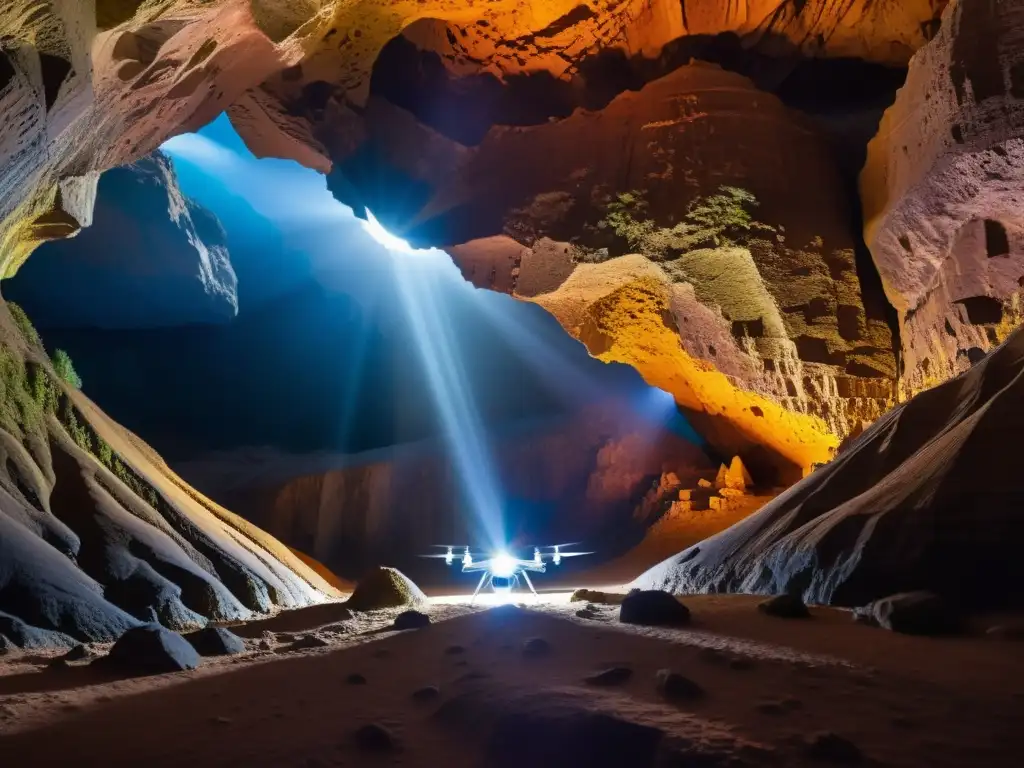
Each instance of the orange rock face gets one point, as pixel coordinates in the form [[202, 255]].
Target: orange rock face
[[942, 193], [766, 342]]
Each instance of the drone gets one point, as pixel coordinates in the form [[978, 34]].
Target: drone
[[501, 570]]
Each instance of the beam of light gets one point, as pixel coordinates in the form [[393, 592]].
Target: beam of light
[[436, 343], [392, 242]]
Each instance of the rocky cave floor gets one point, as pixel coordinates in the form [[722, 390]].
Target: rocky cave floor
[[476, 689]]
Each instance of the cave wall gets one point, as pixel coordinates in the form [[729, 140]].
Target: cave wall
[[97, 535], [579, 478], [297, 80], [942, 193]]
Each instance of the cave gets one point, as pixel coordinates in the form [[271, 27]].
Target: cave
[[505, 382]]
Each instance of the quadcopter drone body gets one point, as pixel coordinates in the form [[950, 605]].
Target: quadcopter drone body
[[501, 571]]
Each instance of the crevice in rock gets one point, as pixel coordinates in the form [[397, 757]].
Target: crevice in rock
[[997, 242], [56, 70], [982, 310], [7, 71]]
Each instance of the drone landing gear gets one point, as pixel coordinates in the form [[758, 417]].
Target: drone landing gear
[[479, 586], [530, 584]]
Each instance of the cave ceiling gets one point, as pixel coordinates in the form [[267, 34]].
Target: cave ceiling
[[564, 151]]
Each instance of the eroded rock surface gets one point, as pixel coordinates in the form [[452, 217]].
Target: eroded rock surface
[[942, 193], [926, 499], [97, 535]]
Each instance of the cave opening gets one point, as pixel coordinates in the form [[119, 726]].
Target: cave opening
[[324, 358]]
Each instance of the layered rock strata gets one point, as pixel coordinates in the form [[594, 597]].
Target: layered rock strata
[[97, 535]]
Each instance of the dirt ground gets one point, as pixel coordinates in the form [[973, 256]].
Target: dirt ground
[[771, 688]]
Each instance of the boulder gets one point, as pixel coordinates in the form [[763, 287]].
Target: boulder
[[307, 642], [677, 687], [374, 737], [535, 647], [216, 641], [411, 620], [609, 677], [384, 588], [653, 608], [785, 607], [912, 613], [833, 748], [151, 650]]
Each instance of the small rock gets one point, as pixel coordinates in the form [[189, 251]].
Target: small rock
[[770, 708], [610, 676], [58, 665], [265, 645], [216, 641], [355, 679], [427, 693], [785, 607], [833, 748], [673, 685], [221, 720], [912, 613], [374, 738], [536, 646], [653, 608], [78, 653], [152, 650], [1012, 631], [411, 620], [454, 650], [586, 613], [470, 676], [307, 642]]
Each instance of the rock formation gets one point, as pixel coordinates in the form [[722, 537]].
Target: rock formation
[[942, 193], [743, 301], [97, 535], [313, 82], [151, 257], [571, 479], [921, 501], [714, 255]]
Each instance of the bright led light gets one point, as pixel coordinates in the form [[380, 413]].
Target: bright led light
[[376, 230], [503, 565]]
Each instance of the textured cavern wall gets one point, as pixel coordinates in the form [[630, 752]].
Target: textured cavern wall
[[296, 79], [151, 257], [576, 478], [765, 341], [97, 534], [942, 192], [91, 84], [929, 497]]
